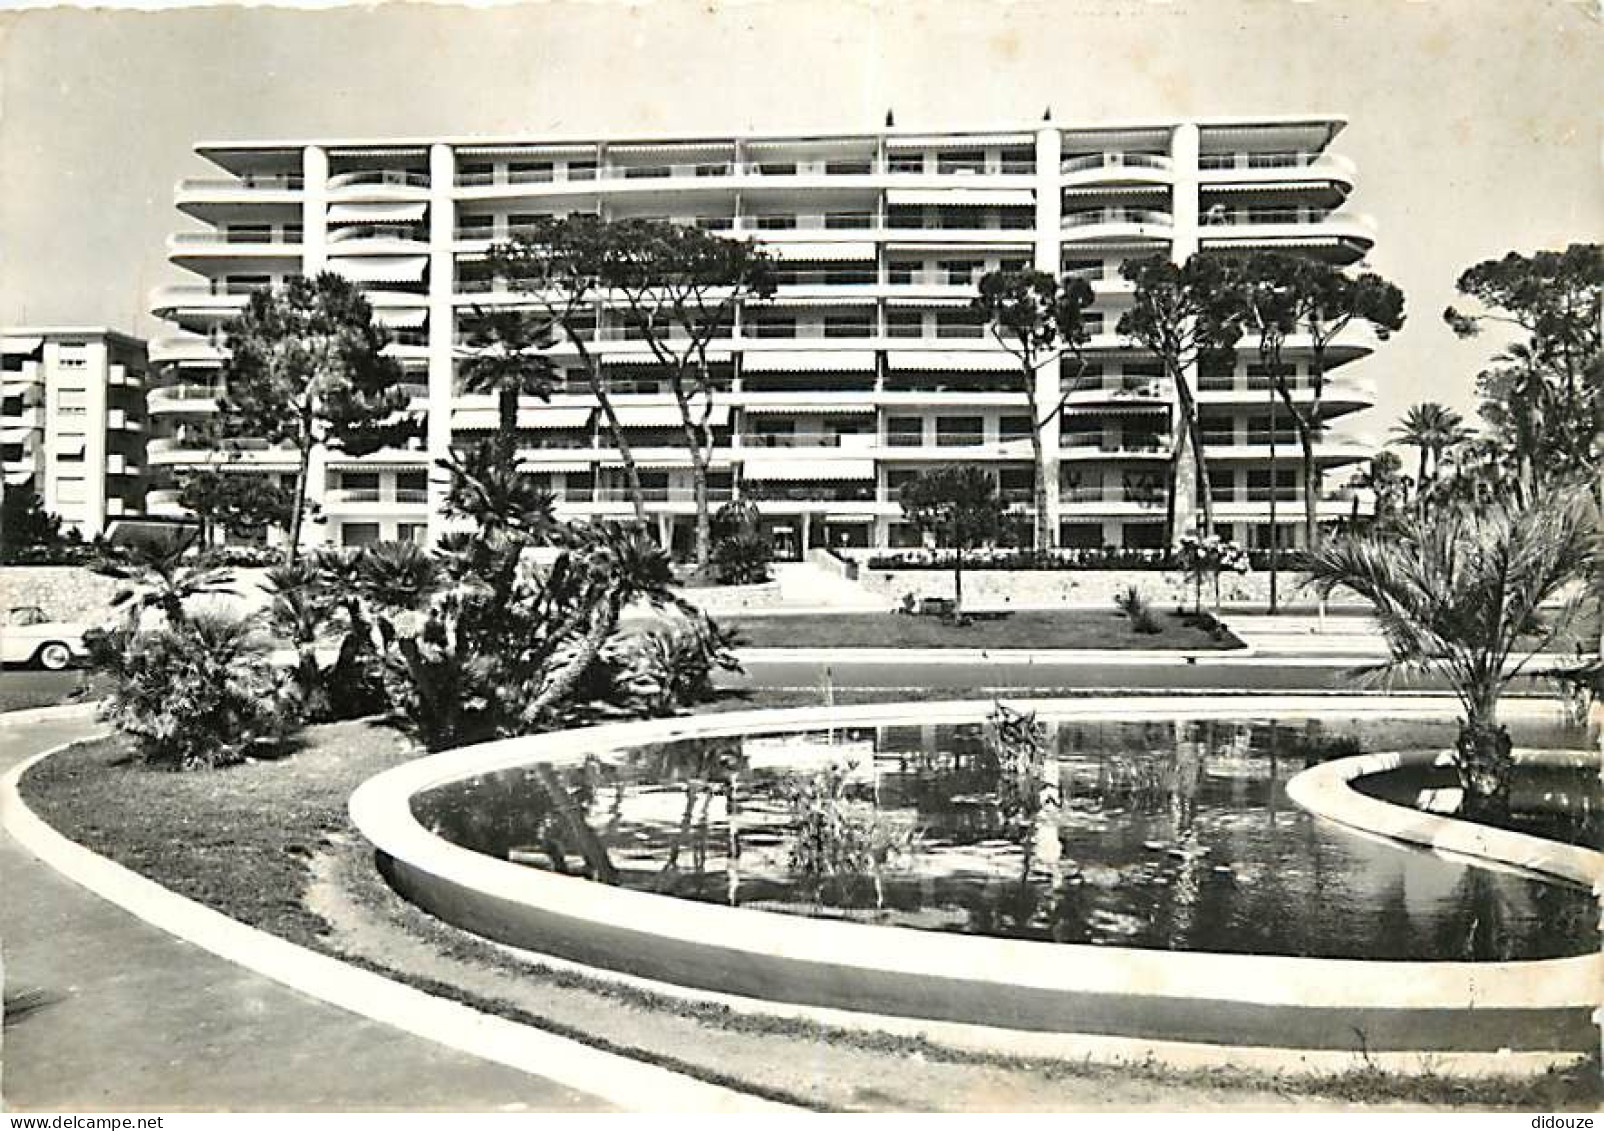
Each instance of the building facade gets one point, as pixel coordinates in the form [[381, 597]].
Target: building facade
[[864, 369], [72, 421]]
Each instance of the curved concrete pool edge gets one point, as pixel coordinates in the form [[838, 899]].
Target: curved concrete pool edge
[[625, 1083], [1173, 1007]]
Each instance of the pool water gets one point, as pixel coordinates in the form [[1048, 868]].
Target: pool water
[[1167, 835]]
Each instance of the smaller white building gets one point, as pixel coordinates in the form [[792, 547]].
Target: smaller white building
[[72, 421]]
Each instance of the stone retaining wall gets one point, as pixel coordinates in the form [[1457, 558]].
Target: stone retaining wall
[[76, 593], [1085, 588]]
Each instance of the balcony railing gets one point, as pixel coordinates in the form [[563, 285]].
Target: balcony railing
[[805, 440], [1144, 216], [481, 178], [1114, 161], [343, 233], [661, 494], [1282, 160], [1111, 495], [184, 392], [268, 182], [401, 496], [388, 178], [247, 237]]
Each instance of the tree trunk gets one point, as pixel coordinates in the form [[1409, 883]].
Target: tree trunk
[[603, 622], [1486, 765], [298, 512], [958, 585], [1311, 492], [1194, 431], [1046, 536], [704, 525], [620, 442], [507, 413]]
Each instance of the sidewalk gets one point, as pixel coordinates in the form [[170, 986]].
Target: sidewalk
[[121, 1016]]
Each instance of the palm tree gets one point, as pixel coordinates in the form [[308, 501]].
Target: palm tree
[[609, 566], [162, 576], [300, 610], [1458, 595], [504, 360], [1433, 430], [488, 487]]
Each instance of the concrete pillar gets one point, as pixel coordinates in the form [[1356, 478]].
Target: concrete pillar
[[442, 327], [1049, 254], [314, 258], [97, 372], [314, 209]]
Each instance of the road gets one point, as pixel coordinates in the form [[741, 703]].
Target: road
[[22, 687]]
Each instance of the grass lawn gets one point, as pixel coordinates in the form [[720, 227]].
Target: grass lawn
[[1032, 628], [24, 688], [269, 843]]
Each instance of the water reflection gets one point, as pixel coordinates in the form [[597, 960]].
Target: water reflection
[[1172, 835]]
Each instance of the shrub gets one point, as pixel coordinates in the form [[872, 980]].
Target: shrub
[[1016, 746], [193, 696], [1136, 607], [742, 559], [660, 672]]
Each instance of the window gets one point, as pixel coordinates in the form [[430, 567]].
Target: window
[[359, 533], [959, 324], [906, 163], [904, 324], [839, 220], [905, 432], [772, 326], [415, 532], [959, 431], [960, 272], [848, 168], [847, 326], [902, 274], [359, 480], [961, 161], [775, 223], [581, 170], [248, 233], [777, 168], [1014, 428], [1015, 219], [905, 216], [523, 172], [1080, 535], [70, 490]]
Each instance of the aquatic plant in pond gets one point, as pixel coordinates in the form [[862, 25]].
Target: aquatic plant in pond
[[836, 839]]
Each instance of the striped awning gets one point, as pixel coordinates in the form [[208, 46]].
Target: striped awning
[[17, 478], [808, 470], [810, 409], [644, 357], [666, 416], [849, 518], [808, 361], [1146, 406], [381, 269], [401, 318], [399, 459], [822, 251], [68, 446], [20, 345], [536, 419], [669, 149], [378, 212], [793, 301], [1266, 186], [962, 197], [528, 462], [1122, 190], [967, 361], [956, 141]]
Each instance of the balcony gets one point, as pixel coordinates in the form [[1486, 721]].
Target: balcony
[[1348, 234], [1119, 224], [250, 188], [347, 499], [217, 299], [175, 349], [1111, 498], [362, 239], [1285, 167], [242, 251], [182, 398], [1116, 169], [378, 185]]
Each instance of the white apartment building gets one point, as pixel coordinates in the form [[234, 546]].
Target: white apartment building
[[866, 368], [72, 421]]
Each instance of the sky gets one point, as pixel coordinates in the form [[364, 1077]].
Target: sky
[[1475, 123]]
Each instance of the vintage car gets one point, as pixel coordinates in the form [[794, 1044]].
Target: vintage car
[[31, 637]]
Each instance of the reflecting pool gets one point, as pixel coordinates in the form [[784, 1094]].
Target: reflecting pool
[[1168, 835]]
